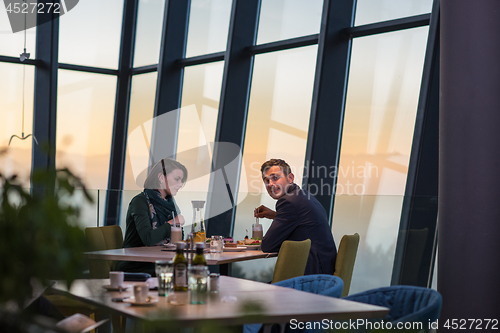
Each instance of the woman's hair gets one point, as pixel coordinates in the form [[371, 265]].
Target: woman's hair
[[152, 181]]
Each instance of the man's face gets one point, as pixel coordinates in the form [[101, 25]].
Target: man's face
[[276, 182]]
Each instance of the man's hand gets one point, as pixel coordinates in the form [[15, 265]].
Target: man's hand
[[179, 220], [263, 211]]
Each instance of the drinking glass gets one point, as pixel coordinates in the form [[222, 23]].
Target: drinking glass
[[216, 244], [198, 283], [164, 272]]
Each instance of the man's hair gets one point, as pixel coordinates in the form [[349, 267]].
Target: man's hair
[[285, 168], [152, 181]]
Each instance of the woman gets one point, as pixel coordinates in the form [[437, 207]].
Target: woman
[[151, 213]]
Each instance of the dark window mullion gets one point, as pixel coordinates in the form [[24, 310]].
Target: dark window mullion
[[328, 104], [120, 123], [420, 208], [233, 109]]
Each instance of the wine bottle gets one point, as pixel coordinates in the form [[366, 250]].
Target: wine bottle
[[180, 268]]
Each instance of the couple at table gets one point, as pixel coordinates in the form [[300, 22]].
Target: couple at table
[[298, 215]]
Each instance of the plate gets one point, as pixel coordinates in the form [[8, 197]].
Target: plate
[[122, 288], [169, 245], [253, 247], [131, 300], [235, 249]]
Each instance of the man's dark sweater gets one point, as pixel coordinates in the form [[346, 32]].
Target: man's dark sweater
[[300, 216]]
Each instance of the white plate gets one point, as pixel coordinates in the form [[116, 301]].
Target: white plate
[[169, 245], [131, 300], [122, 288], [235, 249], [253, 247]]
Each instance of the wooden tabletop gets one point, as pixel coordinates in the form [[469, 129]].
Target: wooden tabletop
[[275, 304], [153, 253]]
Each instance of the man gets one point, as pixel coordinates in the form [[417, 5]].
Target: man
[[298, 216]]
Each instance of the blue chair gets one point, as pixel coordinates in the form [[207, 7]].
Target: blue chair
[[408, 304], [321, 284]]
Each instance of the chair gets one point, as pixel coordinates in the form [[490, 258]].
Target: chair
[[407, 303], [103, 238], [346, 256], [292, 260], [98, 238], [321, 284]]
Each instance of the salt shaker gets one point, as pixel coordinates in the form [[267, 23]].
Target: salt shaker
[[214, 282]]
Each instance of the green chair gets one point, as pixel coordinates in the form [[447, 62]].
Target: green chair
[[99, 239], [292, 260], [346, 256]]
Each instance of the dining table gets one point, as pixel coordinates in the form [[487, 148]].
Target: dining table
[[153, 253], [237, 302]]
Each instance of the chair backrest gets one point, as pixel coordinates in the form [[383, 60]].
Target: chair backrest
[[321, 284], [346, 256], [407, 303], [99, 239], [292, 260]]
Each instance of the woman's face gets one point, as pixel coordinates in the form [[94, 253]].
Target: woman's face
[[174, 181]]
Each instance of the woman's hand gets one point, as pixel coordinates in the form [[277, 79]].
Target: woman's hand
[[263, 211], [179, 220]]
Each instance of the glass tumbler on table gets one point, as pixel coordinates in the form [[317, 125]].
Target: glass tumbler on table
[[164, 272], [198, 284], [216, 244]]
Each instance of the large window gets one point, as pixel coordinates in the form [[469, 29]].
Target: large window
[[148, 35], [382, 96], [208, 26], [16, 93], [284, 19], [277, 127], [142, 102], [85, 111], [89, 34], [198, 120], [12, 44], [371, 11]]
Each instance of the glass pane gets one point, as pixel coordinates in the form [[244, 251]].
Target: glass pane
[[371, 11], [148, 35], [277, 127], [284, 19], [142, 102], [382, 96], [208, 26], [16, 159], [198, 120], [12, 44], [85, 109], [90, 34]]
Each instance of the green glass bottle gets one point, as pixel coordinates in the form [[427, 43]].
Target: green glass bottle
[[180, 269], [199, 258]]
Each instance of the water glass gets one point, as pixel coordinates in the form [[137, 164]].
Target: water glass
[[164, 272], [198, 283], [216, 244]]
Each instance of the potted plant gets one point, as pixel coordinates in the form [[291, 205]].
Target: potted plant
[[40, 237]]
